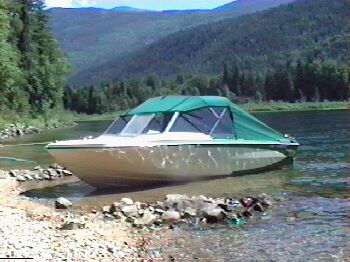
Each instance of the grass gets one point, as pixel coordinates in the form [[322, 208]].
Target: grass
[[84, 117], [303, 106], [52, 119]]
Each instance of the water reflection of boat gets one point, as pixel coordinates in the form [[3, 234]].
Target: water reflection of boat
[[175, 138]]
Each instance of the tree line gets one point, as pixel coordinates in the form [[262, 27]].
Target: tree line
[[299, 82], [32, 67]]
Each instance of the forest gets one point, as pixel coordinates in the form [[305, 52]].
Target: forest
[[33, 69], [309, 81], [301, 30]]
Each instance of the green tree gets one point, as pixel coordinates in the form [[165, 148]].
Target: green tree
[[11, 77]]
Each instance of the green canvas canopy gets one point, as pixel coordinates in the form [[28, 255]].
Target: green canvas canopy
[[246, 126]]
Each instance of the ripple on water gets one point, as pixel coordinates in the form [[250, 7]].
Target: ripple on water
[[300, 229], [324, 166]]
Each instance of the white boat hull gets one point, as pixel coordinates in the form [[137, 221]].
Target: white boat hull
[[109, 167]]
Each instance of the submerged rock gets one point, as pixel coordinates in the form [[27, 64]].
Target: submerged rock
[[62, 203]]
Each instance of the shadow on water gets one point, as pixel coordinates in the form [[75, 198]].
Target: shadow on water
[[81, 190]]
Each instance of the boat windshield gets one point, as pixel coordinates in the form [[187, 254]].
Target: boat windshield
[[214, 121], [118, 125], [140, 124]]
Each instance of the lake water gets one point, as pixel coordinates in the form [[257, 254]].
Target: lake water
[[310, 223]]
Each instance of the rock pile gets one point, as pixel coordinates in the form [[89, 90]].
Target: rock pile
[[183, 208], [38, 174], [17, 130]]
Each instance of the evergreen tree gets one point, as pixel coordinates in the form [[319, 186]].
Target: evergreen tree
[[11, 77]]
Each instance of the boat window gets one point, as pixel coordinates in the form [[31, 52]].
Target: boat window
[[224, 125], [183, 125], [118, 125], [158, 123], [137, 124], [216, 121]]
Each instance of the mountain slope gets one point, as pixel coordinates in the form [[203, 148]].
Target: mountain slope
[[252, 5], [90, 36], [316, 29], [129, 9]]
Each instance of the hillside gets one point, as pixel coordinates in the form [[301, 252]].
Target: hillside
[[91, 36], [129, 9], [315, 29], [251, 5]]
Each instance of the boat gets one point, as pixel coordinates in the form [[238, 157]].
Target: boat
[[176, 139]]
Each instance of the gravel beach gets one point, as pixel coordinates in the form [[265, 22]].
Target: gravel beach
[[32, 230], [122, 231]]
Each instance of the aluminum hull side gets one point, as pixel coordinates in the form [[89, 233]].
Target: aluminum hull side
[[106, 167]]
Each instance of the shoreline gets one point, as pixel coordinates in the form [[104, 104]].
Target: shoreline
[[13, 130], [34, 230], [264, 107], [25, 126]]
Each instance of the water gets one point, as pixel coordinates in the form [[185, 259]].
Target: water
[[38, 154], [310, 223]]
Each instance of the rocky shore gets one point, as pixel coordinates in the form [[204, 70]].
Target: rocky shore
[[121, 231], [54, 172], [33, 230], [178, 208], [14, 130], [18, 129]]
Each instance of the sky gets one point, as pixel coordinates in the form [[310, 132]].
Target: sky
[[142, 4]]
